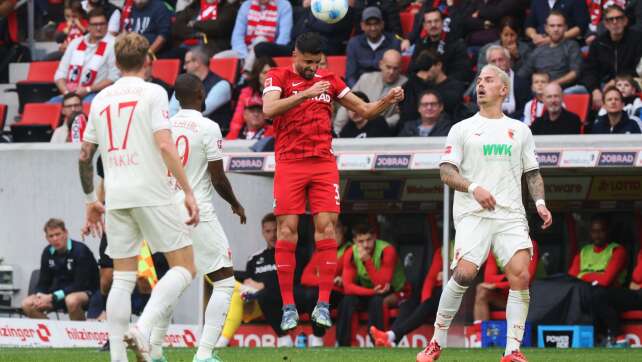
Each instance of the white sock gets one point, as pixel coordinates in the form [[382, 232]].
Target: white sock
[[222, 342], [516, 313], [164, 295], [448, 306], [159, 331], [284, 341], [215, 315], [391, 336], [118, 312], [315, 341]]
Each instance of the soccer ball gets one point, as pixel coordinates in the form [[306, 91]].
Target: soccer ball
[[329, 11]]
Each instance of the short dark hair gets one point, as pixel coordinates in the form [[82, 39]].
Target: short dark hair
[[96, 12], [613, 89], [434, 10], [201, 53], [603, 218], [629, 79], [362, 229], [430, 92], [541, 72], [425, 60], [186, 87], [268, 218], [509, 22], [556, 13], [310, 42], [611, 8], [71, 95], [54, 223], [361, 95]]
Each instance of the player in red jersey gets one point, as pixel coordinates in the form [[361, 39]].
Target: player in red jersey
[[299, 100]]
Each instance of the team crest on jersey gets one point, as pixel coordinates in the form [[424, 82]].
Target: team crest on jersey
[[448, 150], [268, 83], [166, 114], [511, 133]]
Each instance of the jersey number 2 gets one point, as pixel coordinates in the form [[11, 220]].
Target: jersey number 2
[[110, 134]]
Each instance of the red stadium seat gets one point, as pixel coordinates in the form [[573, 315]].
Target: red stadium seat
[[41, 114], [3, 116], [225, 68], [407, 22], [166, 70], [337, 65], [578, 104], [632, 315], [85, 108], [42, 71], [39, 85]]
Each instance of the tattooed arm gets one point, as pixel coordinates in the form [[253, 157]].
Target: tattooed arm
[[535, 184], [86, 167], [450, 176]]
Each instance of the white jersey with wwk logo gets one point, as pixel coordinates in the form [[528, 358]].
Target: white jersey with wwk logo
[[493, 153], [122, 122]]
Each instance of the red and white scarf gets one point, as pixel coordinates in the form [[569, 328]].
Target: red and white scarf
[[261, 22], [209, 11], [77, 129], [126, 14], [75, 76], [595, 8]]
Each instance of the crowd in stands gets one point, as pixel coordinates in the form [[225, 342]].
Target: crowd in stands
[[590, 48], [370, 282]]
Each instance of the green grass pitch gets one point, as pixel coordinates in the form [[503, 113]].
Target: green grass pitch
[[328, 354]]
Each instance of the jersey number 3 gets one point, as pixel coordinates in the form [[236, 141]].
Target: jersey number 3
[[110, 133]]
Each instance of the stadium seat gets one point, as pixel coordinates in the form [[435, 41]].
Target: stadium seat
[[3, 116], [225, 68], [632, 315], [407, 22], [41, 114], [42, 71], [166, 70], [39, 85], [578, 104]]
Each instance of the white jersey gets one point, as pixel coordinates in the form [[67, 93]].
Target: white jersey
[[199, 141], [494, 153], [122, 122]]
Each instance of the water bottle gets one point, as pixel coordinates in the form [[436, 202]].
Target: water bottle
[[301, 341]]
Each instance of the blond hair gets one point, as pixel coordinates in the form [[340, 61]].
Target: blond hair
[[131, 52], [503, 76]]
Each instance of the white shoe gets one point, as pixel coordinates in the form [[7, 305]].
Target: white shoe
[[315, 341], [137, 342]]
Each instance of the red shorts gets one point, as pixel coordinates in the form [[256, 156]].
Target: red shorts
[[317, 177]]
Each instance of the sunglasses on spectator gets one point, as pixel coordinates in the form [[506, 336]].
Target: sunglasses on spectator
[[614, 19]]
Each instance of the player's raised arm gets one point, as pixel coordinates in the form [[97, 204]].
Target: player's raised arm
[[224, 188], [372, 109], [274, 105]]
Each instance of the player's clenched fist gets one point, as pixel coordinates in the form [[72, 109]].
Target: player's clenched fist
[[317, 88], [395, 95], [484, 198]]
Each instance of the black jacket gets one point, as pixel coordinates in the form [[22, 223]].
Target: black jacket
[[74, 271], [389, 10], [454, 57], [567, 123], [441, 128], [626, 125], [575, 11], [606, 59], [450, 90], [335, 35]]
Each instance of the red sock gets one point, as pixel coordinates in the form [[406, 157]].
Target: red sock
[[327, 251], [285, 264]]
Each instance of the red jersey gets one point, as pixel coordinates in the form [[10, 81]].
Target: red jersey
[[305, 130]]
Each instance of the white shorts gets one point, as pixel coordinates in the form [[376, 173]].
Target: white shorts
[[162, 227], [475, 235], [211, 248]]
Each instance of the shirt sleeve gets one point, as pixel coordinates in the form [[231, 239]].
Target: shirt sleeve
[[273, 82], [349, 275], [454, 150], [114, 22], [285, 23], [220, 94], [90, 129], [340, 88], [240, 28], [160, 110], [213, 143], [529, 157], [431, 278]]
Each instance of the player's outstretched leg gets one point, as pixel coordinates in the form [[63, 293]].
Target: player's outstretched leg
[[327, 251], [449, 304], [119, 311], [285, 258]]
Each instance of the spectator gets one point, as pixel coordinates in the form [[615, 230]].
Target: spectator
[[218, 91], [150, 78], [432, 122], [535, 107], [418, 309], [602, 262], [254, 88], [207, 22], [452, 11], [556, 119], [427, 73], [372, 276], [595, 9], [74, 26], [73, 120], [375, 85], [336, 35], [365, 51], [608, 303], [451, 50], [153, 20], [259, 21], [575, 12], [618, 51], [631, 93], [482, 17], [616, 119], [255, 126], [89, 63], [508, 38], [391, 19], [360, 127], [493, 291], [559, 57], [520, 91], [68, 276], [112, 12]]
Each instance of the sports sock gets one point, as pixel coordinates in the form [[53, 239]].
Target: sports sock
[[327, 251], [516, 313], [285, 265], [448, 306], [118, 312], [391, 336], [159, 331], [164, 295], [215, 315]]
